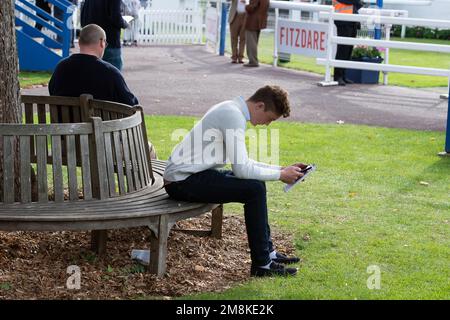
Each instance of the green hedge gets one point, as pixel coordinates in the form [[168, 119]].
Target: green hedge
[[421, 32]]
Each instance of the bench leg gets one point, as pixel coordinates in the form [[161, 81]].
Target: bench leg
[[158, 247], [216, 222], [98, 241]]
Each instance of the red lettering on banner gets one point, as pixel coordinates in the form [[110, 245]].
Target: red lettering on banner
[[303, 38], [292, 36], [309, 40], [297, 44], [281, 35], [322, 41], [316, 40]]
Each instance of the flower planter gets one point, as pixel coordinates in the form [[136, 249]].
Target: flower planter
[[364, 76]]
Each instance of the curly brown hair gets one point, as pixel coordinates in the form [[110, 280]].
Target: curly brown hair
[[275, 99]]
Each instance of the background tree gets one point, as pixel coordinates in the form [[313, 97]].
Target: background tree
[[10, 110]]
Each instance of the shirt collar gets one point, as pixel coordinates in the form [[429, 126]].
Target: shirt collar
[[243, 107]]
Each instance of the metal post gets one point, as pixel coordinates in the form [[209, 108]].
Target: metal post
[[378, 26], [68, 11], [223, 28], [447, 140], [446, 153], [275, 39]]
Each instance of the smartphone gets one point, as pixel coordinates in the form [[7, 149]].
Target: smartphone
[[310, 168]]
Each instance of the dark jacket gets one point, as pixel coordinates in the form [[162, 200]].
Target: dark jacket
[[106, 14], [357, 4], [257, 11], [86, 74]]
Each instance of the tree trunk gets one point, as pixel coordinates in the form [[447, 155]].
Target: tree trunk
[[10, 109]]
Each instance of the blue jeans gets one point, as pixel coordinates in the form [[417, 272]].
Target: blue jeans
[[212, 186], [113, 56]]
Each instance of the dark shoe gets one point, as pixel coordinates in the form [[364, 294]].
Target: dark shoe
[[275, 269], [281, 258], [348, 81], [241, 61], [340, 81], [233, 61], [251, 65]]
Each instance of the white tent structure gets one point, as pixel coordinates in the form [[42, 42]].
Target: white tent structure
[[436, 9]]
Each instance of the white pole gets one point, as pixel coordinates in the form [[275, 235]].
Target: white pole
[[275, 39], [329, 47]]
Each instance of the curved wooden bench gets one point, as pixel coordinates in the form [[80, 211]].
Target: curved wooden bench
[[93, 171]]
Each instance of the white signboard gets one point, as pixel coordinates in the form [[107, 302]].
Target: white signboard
[[212, 21], [304, 38]]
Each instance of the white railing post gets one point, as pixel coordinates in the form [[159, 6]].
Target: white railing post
[[275, 39], [328, 81]]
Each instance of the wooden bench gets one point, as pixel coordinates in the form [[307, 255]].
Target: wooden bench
[[85, 164]]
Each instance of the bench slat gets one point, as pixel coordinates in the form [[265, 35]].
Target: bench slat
[[58, 186], [41, 150], [29, 119], [99, 143], [119, 162], [86, 167], [110, 164], [128, 164], [140, 161], [54, 111], [25, 170], [133, 159], [41, 113], [8, 169], [144, 156], [72, 167]]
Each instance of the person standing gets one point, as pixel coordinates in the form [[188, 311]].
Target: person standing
[[106, 14], [345, 29], [131, 8], [256, 21], [237, 18], [47, 7]]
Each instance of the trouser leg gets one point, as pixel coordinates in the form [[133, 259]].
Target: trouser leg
[[251, 40], [234, 33], [212, 186], [344, 52], [241, 29]]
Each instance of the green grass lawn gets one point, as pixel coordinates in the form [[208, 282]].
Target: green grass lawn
[[379, 197], [399, 57], [28, 79]]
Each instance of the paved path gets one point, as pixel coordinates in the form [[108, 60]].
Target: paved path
[[188, 80]]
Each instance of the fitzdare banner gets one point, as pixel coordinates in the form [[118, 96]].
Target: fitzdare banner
[[303, 38]]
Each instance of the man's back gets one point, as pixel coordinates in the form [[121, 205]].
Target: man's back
[[86, 74]]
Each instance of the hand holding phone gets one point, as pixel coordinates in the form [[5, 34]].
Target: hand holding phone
[[309, 169]]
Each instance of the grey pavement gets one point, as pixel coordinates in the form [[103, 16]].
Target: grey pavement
[[188, 80]]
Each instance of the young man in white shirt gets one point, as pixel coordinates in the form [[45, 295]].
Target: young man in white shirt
[[192, 173]]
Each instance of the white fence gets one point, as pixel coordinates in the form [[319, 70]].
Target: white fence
[[386, 67], [376, 17], [169, 27]]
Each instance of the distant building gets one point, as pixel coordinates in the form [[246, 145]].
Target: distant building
[[439, 10]]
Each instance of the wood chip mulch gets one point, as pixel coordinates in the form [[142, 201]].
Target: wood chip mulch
[[33, 265]]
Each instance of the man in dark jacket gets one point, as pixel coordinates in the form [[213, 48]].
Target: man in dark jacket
[[256, 21], [106, 14], [345, 29], [86, 73]]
